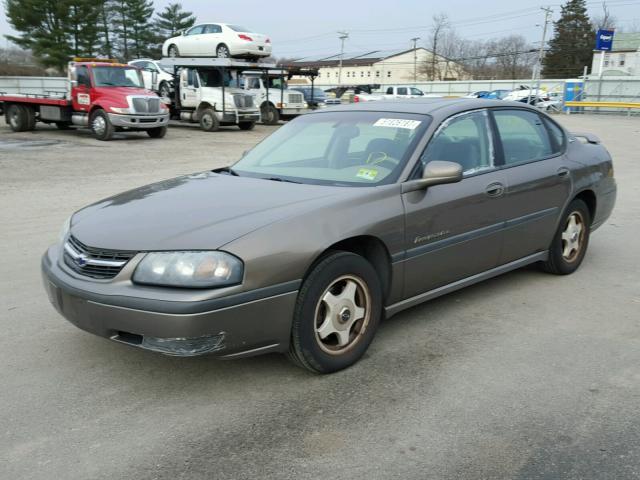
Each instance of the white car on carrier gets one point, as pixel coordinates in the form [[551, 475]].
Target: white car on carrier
[[218, 40]]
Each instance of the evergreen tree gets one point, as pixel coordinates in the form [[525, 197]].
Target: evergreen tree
[[42, 27], [172, 20], [571, 48], [142, 34], [83, 27]]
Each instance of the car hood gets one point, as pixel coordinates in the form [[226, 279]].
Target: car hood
[[195, 212]]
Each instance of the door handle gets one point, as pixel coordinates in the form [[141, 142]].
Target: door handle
[[563, 172], [495, 189]]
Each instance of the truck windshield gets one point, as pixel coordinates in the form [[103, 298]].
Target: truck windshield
[[277, 82], [353, 148], [117, 77]]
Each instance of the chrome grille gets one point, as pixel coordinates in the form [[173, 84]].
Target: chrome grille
[[94, 262], [296, 98], [146, 104], [243, 101]]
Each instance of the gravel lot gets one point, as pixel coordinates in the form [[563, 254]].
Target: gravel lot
[[524, 376]]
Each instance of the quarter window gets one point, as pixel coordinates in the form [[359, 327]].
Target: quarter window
[[523, 135], [463, 139]]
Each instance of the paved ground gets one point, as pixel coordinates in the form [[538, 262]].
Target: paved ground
[[525, 376]]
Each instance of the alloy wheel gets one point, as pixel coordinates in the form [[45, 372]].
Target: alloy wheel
[[573, 236], [99, 125]]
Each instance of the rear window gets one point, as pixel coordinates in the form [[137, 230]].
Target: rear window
[[238, 28]]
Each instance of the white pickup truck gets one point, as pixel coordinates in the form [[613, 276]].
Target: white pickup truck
[[275, 100], [403, 92]]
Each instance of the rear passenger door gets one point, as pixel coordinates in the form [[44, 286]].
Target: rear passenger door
[[531, 149]]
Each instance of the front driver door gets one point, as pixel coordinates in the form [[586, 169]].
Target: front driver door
[[454, 231]]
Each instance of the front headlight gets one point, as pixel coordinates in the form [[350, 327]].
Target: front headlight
[[64, 231], [123, 111], [189, 269]]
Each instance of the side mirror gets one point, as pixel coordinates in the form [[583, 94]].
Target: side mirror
[[435, 173]]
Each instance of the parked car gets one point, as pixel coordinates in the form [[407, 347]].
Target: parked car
[[316, 97], [552, 103], [498, 94], [340, 217], [478, 94], [218, 40], [152, 71]]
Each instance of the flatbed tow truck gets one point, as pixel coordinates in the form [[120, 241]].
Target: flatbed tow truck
[[103, 95]]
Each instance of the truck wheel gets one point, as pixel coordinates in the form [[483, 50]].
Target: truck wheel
[[31, 117], [17, 118], [157, 132], [246, 125], [270, 115], [173, 51], [209, 121], [101, 125]]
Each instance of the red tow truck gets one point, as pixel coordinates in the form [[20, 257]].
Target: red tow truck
[[103, 95]]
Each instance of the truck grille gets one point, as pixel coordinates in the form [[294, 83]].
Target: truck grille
[[94, 262], [146, 104], [243, 101], [296, 98]]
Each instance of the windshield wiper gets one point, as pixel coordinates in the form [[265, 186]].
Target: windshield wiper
[[278, 179], [228, 170]]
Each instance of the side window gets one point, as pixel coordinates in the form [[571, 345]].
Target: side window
[[197, 30], [523, 135], [192, 78], [415, 91], [82, 76], [212, 29], [402, 90], [464, 139], [557, 136]]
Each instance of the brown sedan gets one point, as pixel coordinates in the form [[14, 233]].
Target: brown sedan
[[337, 219]]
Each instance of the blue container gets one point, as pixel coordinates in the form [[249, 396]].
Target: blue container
[[573, 91]]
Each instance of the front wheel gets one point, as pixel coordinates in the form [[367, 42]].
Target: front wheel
[[336, 314], [209, 121], [246, 125], [270, 115], [101, 125], [570, 242], [157, 132]]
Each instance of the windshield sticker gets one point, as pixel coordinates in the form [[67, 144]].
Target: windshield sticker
[[367, 173], [397, 123]]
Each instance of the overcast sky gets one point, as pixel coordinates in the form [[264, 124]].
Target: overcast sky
[[303, 28]]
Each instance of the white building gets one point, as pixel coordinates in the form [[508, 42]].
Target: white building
[[381, 67], [623, 59]]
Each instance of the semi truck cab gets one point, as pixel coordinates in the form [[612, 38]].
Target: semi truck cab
[[274, 98]]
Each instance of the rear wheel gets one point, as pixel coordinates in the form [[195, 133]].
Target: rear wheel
[[223, 51], [17, 117], [157, 132], [209, 121], [101, 125], [246, 125], [336, 314], [270, 115], [31, 117], [570, 242], [173, 51]]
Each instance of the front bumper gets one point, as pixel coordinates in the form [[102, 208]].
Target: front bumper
[[140, 122], [294, 110], [234, 326], [239, 116]]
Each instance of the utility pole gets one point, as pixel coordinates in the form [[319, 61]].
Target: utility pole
[[548, 11], [415, 59], [342, 36]]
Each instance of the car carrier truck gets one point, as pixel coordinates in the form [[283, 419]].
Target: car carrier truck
[[99, 94]]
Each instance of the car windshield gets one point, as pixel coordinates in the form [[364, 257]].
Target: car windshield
[[238, 28], [117, 77], [337, 148]]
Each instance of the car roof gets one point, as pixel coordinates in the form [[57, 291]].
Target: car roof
[[436, 107]]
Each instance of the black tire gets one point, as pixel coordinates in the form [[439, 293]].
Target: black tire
[[31, 118], [270, 114], [246, 125], [563, 258], [307, 348], [157, 132], [164, 90], [173, 51], [17, 118], [222, 51], [101, 125], [209, 121], [64, 125]]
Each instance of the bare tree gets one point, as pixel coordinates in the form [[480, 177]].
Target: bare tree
[[605, 20], [514, 56], [440, 25]]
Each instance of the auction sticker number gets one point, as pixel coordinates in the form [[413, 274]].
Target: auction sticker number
[[397, 123]]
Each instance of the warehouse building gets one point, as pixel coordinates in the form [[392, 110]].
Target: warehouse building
[[382, 67]]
